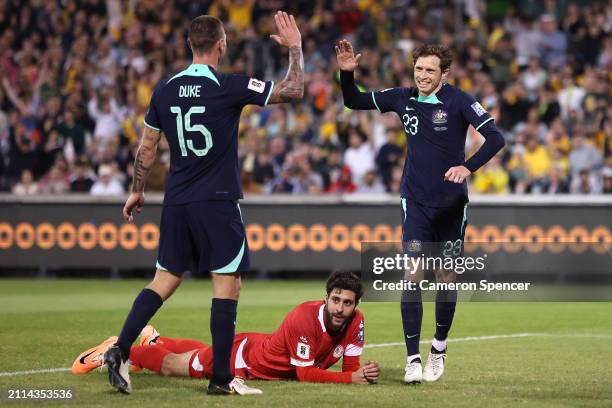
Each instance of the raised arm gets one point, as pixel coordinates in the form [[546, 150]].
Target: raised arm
[[348, 62], [292, 86], [145, 158], [12, 95]]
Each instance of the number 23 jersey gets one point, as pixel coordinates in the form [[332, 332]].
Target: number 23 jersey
[[436, 127]]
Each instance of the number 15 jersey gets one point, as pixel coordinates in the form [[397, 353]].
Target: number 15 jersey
[[198, 110]]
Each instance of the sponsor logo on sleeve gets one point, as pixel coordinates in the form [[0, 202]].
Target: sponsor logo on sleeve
[[256, 85], [360, 333], [303, 351], [477, 107]]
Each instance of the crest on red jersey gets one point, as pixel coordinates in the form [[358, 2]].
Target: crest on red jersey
[[303, 351], [338, 351]]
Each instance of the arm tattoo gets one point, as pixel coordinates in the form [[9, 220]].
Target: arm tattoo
[[145, 158], [292, 86]]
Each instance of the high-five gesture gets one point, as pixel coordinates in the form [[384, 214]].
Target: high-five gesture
[[288, 31], [292, 86], [347, 60]]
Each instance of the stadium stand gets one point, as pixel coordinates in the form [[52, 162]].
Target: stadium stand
[[77, 77]]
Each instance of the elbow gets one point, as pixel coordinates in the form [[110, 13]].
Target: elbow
[[501, 142], [349, 104], [494, 138], [295, 94]]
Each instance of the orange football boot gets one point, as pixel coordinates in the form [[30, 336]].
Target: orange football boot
[[148, 335], [92, 358]]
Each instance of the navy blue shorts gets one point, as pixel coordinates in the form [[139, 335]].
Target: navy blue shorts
[[444, 226], [203, 236]]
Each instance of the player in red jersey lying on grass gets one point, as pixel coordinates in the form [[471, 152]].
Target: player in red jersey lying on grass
[[311, 338]]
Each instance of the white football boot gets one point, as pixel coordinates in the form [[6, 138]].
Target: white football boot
[[240, 387], [414, 372], [118, 370], [434, 367]]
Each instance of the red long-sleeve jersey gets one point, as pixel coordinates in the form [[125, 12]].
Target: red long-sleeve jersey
[[300, 349]]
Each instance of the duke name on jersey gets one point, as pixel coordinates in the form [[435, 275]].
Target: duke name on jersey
[[436, 128], [198, 110]]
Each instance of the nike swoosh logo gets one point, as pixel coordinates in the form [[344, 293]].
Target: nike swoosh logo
[[441, 325], [82, 359], [410, 337], [409, 109]]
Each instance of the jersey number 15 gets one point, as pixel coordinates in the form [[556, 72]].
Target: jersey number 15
[[208, 142]]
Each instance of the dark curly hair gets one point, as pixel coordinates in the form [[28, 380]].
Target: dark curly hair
[[345, 280], [440, 51]]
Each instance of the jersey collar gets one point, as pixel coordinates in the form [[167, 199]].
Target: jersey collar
[[321, 320], [432, 99], [198, 70]]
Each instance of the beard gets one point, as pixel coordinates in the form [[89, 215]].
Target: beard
[[337, 321]]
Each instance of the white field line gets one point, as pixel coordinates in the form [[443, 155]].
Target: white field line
[[460, 339], [379, 345], [42, 371]]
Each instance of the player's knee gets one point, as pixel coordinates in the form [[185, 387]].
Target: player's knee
[[237, 288], [174, 366], [167, 366], [167, 371], [226, 286], [165, 283]]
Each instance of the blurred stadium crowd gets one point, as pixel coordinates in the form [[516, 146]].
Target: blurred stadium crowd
[[77, 77]]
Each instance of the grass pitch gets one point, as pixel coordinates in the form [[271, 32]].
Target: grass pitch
[[564, 358]]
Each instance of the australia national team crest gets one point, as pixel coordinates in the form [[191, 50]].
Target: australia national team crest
[[338, 351], [439, 118]]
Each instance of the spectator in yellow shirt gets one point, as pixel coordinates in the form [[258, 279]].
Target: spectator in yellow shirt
[[536, 159], [239, 12], [492, 179]]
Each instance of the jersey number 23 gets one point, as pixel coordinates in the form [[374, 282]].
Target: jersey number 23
[[411, 123]]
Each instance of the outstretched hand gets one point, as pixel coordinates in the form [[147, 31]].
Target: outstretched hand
[[288, 31], [347, 60]]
